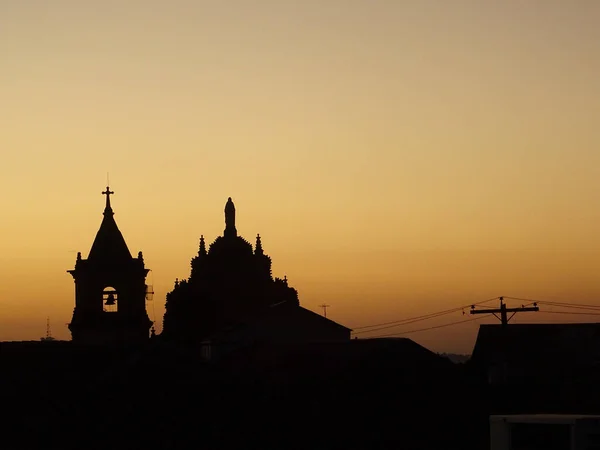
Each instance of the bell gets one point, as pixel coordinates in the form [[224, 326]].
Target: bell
[[111, 299]]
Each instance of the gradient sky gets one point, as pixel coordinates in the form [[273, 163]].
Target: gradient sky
[[398, 157]]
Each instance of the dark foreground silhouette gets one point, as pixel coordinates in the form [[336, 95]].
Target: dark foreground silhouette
[[357, 395]]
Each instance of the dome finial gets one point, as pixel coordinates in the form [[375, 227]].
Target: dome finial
[[202, 245], [258, 247]]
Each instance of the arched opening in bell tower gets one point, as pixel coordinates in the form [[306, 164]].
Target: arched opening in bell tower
[[110, 299]]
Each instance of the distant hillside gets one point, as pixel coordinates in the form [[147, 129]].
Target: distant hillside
[[456, 359]]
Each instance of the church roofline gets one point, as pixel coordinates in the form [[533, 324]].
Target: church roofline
[[109, 243]]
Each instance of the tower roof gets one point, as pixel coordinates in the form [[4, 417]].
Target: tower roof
[[109, 244]]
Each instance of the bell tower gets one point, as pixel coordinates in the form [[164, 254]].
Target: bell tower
[[110, 289]]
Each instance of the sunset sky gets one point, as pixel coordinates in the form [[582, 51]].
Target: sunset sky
[[398, 157]]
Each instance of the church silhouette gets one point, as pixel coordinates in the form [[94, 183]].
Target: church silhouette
[[230, 299], [110, 289]]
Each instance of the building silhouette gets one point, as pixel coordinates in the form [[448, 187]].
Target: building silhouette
[[110, 289], [232, 297], [535, 353]]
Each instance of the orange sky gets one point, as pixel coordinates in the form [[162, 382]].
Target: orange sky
[[397, 157]]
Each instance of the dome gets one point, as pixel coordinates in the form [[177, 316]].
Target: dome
[[230, 247]]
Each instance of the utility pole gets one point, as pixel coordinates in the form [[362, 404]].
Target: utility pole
[[324, 309], [504, 352], [503, 311]]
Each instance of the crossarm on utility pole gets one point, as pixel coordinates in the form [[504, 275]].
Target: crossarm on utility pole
[[503, 311]]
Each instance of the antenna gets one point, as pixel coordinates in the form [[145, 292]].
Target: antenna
[[324, 309], [48, 333]]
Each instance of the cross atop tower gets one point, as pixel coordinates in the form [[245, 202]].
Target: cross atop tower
[[108, 193]]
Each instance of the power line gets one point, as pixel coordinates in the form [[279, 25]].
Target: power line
[[580, 305], [395, 323], [419, 318], [402, 321], [426, 329], [427, 316], [567, 305], [571, 312], [408, 321]]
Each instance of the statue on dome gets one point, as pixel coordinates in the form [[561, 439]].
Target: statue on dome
[[230, 218], [228, 281]]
